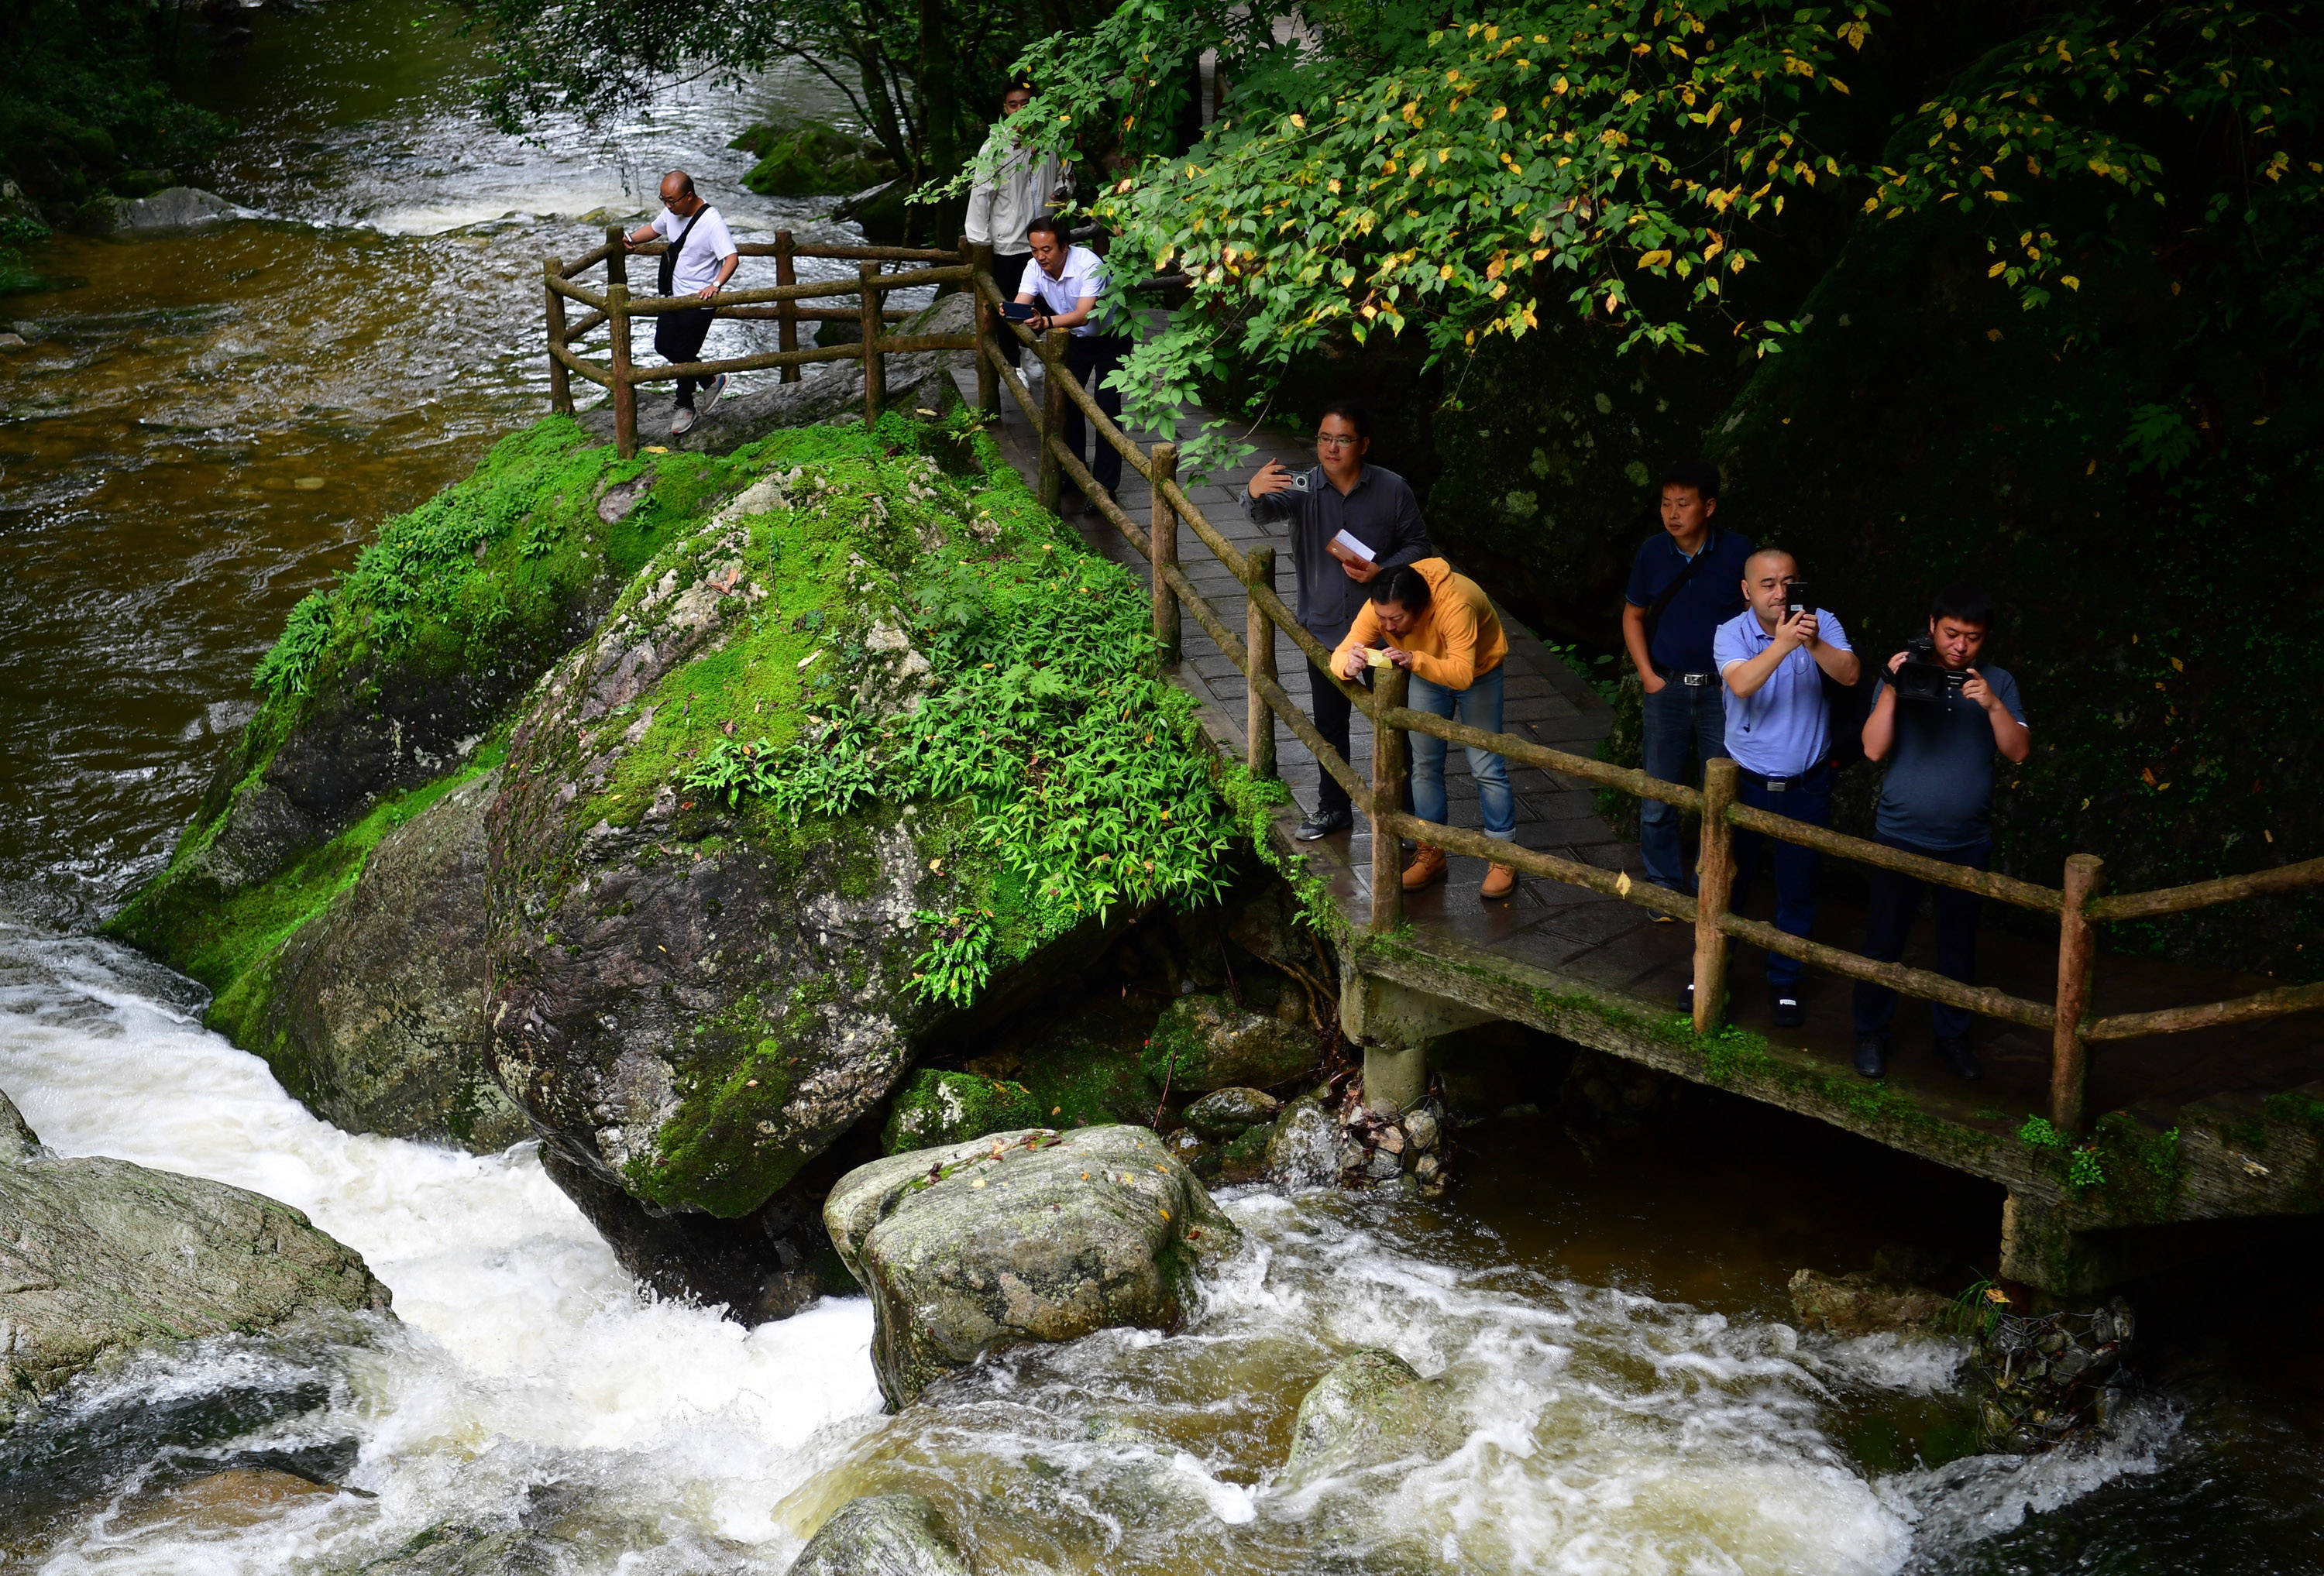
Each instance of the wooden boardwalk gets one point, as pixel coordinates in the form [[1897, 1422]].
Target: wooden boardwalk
[[2248, 1101]]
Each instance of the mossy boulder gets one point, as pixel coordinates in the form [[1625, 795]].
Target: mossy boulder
[[102, 1257], [934, 1107], [1228, 1113], [1204, 1042], [808, 158], [1371, 1409], [372, 1012], [1032, 1236]]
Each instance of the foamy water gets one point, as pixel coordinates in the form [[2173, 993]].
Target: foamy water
[[1600, 1430]]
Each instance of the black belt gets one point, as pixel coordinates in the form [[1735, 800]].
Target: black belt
[[1694, 680], [1777, 785]]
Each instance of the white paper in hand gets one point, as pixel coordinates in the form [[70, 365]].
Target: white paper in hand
[[1353, 546]]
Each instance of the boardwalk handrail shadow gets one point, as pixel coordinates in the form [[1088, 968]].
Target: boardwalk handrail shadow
[[2077, 904]]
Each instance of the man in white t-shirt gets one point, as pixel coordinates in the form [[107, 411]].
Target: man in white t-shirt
[[1063, 288], [1020, 187], [698, 262]]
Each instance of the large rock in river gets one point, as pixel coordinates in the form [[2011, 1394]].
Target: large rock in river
[[882, 1534], [1036, 1235], [1371, 1408], [1206, 1042], [100, 1257], [374, 1017]]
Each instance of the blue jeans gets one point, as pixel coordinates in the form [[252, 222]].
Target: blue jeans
[[1896, 901], [1479, 707], [1679, 723], [1807, 797]]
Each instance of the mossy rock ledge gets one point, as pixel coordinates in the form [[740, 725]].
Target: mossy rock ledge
[[1030, 1235]]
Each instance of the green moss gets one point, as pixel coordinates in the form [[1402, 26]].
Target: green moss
[[1089, 1085], [936, 1108], [2143, 1170]]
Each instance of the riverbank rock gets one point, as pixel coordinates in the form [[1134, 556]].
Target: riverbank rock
[[882, 1534], [374, 1013], [1207, 1043], [1303, 1147], [919, 382], [1228, 1113], [1861, 1303], [100, 1257], [934, 1108], [174, 207], [1039, 1235], [1371, 1408], [808, 158]]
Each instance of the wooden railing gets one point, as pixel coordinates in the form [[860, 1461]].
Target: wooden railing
[[616, 310], [2066, 1017]]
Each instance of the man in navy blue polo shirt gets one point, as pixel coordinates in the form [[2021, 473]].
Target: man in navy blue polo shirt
[[1934, 801], [1773, 659], [1683, 585]]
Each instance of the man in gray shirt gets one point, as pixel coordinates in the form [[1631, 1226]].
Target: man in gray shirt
[[1934, 799], [1341, 498]]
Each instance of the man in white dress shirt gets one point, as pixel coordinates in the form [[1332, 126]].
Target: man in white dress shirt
[[698, 262], [1020, 187], [1063, 289]]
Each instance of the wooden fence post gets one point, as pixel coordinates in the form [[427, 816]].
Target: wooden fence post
[[560, 386], [988, 330], [2077, 949], [1051, 483], [626, 393], [1164, 539], [1389, 688], [1714, 886], [617, 256], [875, 366], [1258, 660], [787, 273]]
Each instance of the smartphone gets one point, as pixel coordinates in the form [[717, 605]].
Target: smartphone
[[1796, 599], [1017, 311]]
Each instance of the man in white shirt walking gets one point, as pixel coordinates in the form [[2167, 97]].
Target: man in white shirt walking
[[1021, 186], [698, 262], [1063, 289], [1772, 657]]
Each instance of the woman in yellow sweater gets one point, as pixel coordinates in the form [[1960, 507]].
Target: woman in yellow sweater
[[1441, 628]]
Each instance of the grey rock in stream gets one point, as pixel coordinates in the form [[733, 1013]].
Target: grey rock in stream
[[1371, 1408], [919, 382], [174, 207], [1228, 1113], [1206, 1042], [882, 1534], [376, 1019], [100, 1257], [1030, 1236]]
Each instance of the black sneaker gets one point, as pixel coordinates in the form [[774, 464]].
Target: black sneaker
[[1956, 1055], [1784, 1002], [1871, 1055], [1323, 823]]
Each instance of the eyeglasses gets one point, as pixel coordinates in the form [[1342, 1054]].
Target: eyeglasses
[[1335, 443]]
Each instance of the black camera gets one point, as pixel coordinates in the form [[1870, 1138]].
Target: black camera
[[1921, 677]]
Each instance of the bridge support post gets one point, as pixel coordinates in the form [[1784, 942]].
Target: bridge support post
[[875, 366], [979, 258], [1714, 886], [2076, 950], [1258, 658], [1391, 688], [626, 393], [1396, 1025], [787, 273], [560, 387], [1165, 540], [1049, 483]]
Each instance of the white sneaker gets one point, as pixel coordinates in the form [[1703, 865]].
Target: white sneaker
[[682, 422], [717, 386]]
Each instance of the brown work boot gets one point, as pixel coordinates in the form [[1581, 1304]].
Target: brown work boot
[[1426, 869], [1500, 881]]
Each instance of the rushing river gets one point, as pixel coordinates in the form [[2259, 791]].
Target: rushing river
[[210, 427]]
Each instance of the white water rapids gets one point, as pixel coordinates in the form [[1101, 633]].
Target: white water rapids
[[1605, 1431]]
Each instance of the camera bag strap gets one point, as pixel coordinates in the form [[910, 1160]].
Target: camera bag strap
[[1654, 610], [669, 258]]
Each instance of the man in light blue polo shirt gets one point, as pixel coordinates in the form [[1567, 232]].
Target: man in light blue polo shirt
[[1772, 657]]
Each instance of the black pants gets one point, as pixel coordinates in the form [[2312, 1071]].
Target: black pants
[[1008, 274], [678, 340], [1896, 902], [1330, 709], [1099, 355]]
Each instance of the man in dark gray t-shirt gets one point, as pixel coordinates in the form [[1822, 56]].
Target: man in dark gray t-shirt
[[1934, 801]]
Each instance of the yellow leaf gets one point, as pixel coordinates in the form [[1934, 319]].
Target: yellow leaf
[[1996, 269], [1500, 112], [1300, 121], [1654, 259], [1560, 86], [2182, 667], [1445, 271], [2069, 282]]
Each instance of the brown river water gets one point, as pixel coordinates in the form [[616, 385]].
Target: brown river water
[[209, 429]]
